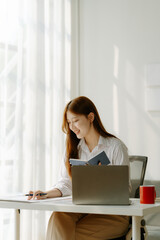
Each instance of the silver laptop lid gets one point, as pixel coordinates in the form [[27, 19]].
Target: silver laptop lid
[[100, 184]]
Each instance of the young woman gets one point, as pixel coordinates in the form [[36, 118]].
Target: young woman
[[86, 137]]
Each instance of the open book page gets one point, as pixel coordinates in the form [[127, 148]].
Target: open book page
[[99, 158], [77, 162]]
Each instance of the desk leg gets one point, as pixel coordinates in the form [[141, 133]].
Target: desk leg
[[136, 223], [17, 224]]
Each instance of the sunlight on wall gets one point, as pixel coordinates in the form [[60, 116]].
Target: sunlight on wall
[[115, 109], [116, 61], [115, 91]]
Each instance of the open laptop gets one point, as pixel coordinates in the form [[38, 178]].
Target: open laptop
[[100, 185]]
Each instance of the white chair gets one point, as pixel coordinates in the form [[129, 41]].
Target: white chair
[[138, 166]]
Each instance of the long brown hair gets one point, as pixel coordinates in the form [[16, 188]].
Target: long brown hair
[[80, 105]]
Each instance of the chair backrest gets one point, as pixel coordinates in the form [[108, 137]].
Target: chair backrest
[[138, 166]]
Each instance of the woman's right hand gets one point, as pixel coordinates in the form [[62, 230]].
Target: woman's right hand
[[37, 195]]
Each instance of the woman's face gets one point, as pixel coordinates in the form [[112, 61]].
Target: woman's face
[[79, 124]]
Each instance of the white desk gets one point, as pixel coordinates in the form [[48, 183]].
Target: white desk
[[136, 210]]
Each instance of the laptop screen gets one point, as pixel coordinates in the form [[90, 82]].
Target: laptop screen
[[100, 184]]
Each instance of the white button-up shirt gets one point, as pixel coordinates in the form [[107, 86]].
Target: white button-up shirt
[[114, 148]]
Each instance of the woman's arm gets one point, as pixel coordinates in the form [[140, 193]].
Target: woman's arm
[[54, 193], [48, 194], [63, 187], [64, 184]]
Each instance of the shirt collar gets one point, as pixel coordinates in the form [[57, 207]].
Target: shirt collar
[[82, 144]]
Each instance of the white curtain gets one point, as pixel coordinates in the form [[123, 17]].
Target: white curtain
[[35, 57]]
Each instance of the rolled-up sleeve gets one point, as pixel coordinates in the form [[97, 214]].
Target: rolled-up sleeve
[[64, 183], [120, 157]]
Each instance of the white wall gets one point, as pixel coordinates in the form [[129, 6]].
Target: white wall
[[117, 39]]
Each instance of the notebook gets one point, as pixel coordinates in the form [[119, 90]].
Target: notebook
[[108, 185], [101, 157]]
